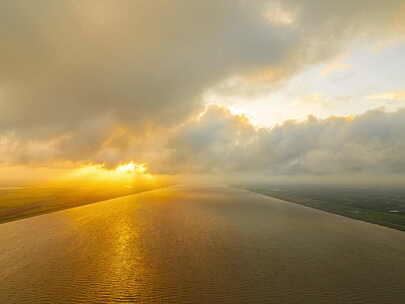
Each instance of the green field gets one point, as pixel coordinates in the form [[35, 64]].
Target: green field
[[376, 204], [21, 202]]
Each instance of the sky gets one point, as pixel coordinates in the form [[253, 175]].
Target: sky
[[283, 87], [352, 83]]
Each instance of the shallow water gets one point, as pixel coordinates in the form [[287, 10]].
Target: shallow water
[[199, 245]]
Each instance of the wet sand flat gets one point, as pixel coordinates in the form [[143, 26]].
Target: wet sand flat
[[200, 244]]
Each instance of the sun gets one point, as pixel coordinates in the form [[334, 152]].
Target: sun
[[131, 167], [124, 172], [126, 168]]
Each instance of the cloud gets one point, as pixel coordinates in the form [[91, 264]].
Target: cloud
[[333, 67], [105, 81], [276, 15], [221, 142], [395, 96], [79, 70], [210, 143]]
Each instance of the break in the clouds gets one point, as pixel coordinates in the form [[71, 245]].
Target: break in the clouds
[[108, 81]]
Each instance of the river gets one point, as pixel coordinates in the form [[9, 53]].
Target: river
[[199, 244]]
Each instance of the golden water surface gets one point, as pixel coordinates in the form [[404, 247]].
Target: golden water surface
[[201, 244]]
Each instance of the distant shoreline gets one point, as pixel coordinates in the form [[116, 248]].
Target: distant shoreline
[[36, 209], [357, 216]]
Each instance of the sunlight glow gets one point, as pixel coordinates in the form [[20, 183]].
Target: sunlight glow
[[126, 172], [127, 168], [131, 167]]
